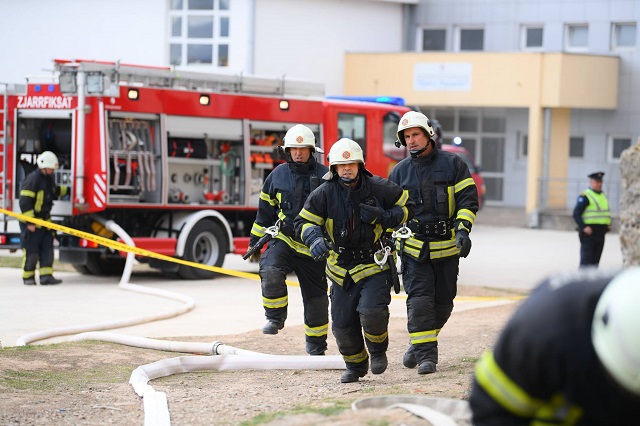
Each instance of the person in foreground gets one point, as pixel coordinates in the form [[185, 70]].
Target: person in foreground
[[344, 221], [570, 355]]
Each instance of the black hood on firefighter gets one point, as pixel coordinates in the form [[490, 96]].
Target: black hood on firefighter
[[297, 167], [332, 174]]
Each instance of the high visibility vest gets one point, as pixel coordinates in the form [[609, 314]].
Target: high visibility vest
[[597, 212]]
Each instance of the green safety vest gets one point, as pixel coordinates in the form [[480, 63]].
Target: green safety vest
[[597, 212]]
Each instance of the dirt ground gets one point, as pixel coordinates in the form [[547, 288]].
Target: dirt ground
[[86, 383]]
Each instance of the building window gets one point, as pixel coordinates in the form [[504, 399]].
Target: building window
[[531, 37], [523, 149], [616, 146], [577, 37], [471, 39], [434, 40], [623, 36], [199, 32], [576, 147]]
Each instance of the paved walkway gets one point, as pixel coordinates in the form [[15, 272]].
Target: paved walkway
[[501, 257]]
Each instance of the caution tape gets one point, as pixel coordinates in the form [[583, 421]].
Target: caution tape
[[117, 245]]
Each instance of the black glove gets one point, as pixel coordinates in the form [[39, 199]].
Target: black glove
[[371, 214], [463, 242], [319, 249], [314, 239]]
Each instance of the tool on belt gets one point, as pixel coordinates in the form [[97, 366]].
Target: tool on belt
[[382, 257], [269, 233], [402, 234]]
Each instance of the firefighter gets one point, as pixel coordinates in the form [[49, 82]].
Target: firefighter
[[283, 195], [446, 199], [570, 355], [593, 219], [344, 220], [36, 200]]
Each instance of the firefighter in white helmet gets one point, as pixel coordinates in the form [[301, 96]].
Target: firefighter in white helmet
[[36, 200], [446, 199], [344, 220], [570, 355], [283, 195]]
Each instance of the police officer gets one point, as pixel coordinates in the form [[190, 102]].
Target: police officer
[[593, 218], [344, 220], [446, 199], [36, 200], [570, 355], [283, 195]]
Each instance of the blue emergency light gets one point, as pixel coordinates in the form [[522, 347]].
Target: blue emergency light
[[375, 99]]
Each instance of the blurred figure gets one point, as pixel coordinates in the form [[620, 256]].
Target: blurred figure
[[593, 218], [570, 355]]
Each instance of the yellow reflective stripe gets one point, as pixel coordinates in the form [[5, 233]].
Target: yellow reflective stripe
[[451, 208], [423, 337], [329, 228], [319, 331], [295, 245], [29, 213], [257, 230], [379, 338], [39, 201], [466, 214], [280, 302], [403, 198], [47, 270], [265, 197], [27, 193], [64, 190], [357, 358], [504, 390], [369, 270], [281, 215], [308, 216], [464, 183]]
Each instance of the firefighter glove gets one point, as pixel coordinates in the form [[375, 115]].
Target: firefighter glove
[[255, 257], [463, 242], [319, 249], [371, 214]]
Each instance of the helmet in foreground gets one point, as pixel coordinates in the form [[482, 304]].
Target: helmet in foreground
[[300, 136], [47, 160], [345, 151], [414, 119], [614, 331]]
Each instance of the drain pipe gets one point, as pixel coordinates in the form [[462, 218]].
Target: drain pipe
[[188, 303]]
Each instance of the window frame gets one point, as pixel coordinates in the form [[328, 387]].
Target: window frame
[[567, 38], [575, 138], [614, 36], [458, 37], [610, 146], [421, 38], [524, 37]]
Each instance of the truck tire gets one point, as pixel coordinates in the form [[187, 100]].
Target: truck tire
[[97, 265], [207, 245]]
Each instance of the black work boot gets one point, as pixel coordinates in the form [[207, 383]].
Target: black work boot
[[29, 281], [315, 349], [379, 363], [49, 280], [354, 372], [272, 327], [427, 367], [409, 359]]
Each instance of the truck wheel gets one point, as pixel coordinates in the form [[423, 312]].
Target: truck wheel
[[97, 265], [82, 269], [207, 245]]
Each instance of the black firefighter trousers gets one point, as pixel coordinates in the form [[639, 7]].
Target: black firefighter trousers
[[276, 262]]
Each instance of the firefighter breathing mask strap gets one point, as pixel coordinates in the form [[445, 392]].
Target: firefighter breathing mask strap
[[417, 152]]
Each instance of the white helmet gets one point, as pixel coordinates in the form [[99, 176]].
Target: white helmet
[[300, 136], [345, 151], [414, 119], [47, 160], [614, 331]]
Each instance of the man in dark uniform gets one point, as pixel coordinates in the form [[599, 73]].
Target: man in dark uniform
[[570, 355], [446, 198], [593, 218], [283, 195], [38, 191], [353, 211]]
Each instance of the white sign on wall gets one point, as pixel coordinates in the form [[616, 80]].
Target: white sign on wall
[[442, 76]]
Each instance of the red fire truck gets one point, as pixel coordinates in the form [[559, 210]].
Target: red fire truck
[[176, 159]]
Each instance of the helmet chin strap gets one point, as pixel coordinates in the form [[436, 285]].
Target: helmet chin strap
[[415, 153]]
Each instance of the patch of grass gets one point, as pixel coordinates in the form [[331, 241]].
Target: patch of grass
[[336, 408], [10, 261]]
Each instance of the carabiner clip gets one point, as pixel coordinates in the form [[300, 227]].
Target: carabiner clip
[[403, 232], [273, 230], [381, 256]]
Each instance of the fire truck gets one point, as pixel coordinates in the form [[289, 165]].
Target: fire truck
[[176, 159]]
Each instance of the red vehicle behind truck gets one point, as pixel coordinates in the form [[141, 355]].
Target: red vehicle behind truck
[[175, 159]]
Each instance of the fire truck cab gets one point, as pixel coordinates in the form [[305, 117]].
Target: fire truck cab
[[176, 159]]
